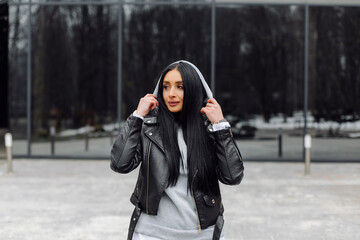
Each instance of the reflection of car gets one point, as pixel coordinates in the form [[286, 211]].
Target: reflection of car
[[245, 131], [241, 129]]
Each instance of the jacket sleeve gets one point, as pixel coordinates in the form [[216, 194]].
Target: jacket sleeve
[[126, 151], [230, 168]]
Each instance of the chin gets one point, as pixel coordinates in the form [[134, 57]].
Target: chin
[[174, 110]]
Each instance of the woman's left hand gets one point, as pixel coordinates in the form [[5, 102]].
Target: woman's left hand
[[213, 111]]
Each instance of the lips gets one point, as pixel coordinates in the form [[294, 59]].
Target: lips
[[173, 103]]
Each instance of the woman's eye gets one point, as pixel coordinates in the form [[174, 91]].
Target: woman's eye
[[181, 86], [165, 87]]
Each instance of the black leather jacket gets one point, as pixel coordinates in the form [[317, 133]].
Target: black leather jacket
[[139, 141]]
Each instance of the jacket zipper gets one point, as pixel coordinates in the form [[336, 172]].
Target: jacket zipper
[[147, 182], [192, 190]]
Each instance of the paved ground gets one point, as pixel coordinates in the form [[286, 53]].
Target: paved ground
[[53, 199]]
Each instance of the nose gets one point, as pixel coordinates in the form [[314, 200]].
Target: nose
[[172, 92]]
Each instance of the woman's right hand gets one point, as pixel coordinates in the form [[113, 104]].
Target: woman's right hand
[[146, 103]]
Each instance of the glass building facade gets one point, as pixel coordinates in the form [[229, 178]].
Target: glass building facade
[[279, 69]]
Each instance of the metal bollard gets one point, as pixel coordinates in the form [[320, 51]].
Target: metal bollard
[[111, 138], [86, 141], [8, 145], [52, 135], [307, 144], [280, 142], [112, 135]]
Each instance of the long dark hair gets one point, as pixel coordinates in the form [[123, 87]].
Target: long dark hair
[[200, 157]]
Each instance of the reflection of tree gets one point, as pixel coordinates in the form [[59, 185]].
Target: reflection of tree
[[73, 72], [17, 70], [259, 60], [337, 67], [52, 61], [4, 36], [95, 83]]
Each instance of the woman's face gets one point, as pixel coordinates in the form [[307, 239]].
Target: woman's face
[[173, 91]]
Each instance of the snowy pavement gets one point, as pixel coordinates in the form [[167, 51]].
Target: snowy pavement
[[84, 199]]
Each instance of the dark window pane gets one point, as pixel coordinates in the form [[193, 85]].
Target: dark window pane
[[74, 75], [335, 82], [18, 44], [259, 76]]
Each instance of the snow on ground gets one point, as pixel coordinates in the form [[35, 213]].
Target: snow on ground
[[297, 121], [294, 122]]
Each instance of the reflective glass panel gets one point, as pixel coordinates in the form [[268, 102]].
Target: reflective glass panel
[[74, 79], [334, 84], [259, 78], [18, 49]]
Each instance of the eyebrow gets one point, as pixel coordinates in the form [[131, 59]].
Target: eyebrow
[[175, 82]]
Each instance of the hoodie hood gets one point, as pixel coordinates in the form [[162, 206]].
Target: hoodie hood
[[205, 85]]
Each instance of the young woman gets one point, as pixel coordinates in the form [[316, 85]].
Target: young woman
[[185, 147]]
